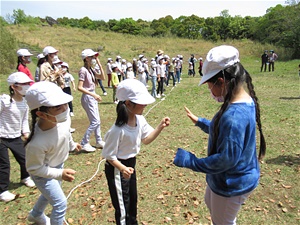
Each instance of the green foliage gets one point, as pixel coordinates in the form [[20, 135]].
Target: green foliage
[[127, 26], [8, 48]]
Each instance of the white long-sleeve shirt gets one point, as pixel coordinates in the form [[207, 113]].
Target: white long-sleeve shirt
[[13, 117], [48, 149]]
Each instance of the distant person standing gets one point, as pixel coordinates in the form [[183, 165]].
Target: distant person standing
[[23, 60], [192, 61], [108, 71], [41, 60], [200, 66], [264, 61], [272, 58]]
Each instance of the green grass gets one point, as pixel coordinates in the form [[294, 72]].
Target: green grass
[[167, 194]]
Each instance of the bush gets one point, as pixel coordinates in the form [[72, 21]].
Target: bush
[[8, 48]]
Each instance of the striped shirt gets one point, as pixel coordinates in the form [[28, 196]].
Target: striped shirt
[[13, 117]]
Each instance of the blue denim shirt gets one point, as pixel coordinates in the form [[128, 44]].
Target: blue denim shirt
[[234, 169]]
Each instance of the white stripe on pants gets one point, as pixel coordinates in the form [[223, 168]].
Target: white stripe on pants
[[223, 210], [90, 106]]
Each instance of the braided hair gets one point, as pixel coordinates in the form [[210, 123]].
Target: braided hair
[[234, 76]]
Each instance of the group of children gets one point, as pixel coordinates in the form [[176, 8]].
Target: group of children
[[231, 165]]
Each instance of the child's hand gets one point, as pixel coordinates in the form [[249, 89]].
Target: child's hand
[[127, 172], [77, 147], [191, 115], [67, 175], [165, 122]]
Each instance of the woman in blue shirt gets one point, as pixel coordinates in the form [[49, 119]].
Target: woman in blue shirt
[[231, 167]]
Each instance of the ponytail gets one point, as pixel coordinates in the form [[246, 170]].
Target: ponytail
[[122, 114]]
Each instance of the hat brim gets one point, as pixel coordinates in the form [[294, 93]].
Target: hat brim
[[145, 99], [207, 76], [58, 99]]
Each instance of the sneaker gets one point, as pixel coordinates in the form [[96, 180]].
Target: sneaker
[[158, 96], [40, 220], [72, 130], [71, 114], [28, 182], [100, 144], [105, 93], [6, 196], [88, 148], [116, 102], [163, 95]]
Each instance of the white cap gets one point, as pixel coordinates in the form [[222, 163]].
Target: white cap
[[113, 66], [65, 64], [141, 69], [123, 60], [109, 59], [153, 63], [56, 60], [200, 58], [134, 59], [144, 59], [166, 57], [141, 56], [88, 52], [18, 77], [49, 50], [159, 52], [46, 93], [129, 65], [40, 56], [23, 52], [217, 59], [119, 57], [135, 91]]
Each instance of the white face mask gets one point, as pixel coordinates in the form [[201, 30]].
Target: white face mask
[[64, 69], [217, 98], [94, 61], [60, 118], [24, 89], [58, 66]]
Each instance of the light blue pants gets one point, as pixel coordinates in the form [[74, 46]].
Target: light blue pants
[[90, 106], [153, 91], [51, 192]]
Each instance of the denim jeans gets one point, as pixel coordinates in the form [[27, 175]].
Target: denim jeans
[[178, 76], [153, 91], [51, 192]]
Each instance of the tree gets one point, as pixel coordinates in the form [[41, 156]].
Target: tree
[[127, 26]]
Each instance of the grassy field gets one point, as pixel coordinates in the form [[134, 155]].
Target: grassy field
[[167, 194]]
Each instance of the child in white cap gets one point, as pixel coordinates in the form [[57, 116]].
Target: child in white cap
[[114, 81], [24, 58], [48, 68], [13, 124], [129, 71], [129, 131], [41, 60], [232, 166], [89, 100], [47, 148]]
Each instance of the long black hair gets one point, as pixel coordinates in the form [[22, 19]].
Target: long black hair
[[33, 121], [235, 76]]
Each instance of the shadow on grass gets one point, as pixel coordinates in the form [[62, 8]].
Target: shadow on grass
[[14, 186], [288, 160], [289, 98]]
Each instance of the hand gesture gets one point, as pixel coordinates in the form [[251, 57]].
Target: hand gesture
[[191, 115], [67, 175], [77, 147], [98, 98], [165, 122]]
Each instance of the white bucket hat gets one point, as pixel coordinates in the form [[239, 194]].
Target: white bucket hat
[[218, 59], [46, 93], [23, 52], [18, 78], [40, 56], [135, 91]]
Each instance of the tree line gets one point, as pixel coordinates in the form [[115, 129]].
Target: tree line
[[279, 26]]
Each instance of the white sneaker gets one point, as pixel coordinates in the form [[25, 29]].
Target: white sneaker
[[158, 96], [88, 148], [100, 144], [28, 182], [6, 196], [40, 220], [116, 102], [163, 95], [105, 93], [72, 130], [71, 114]]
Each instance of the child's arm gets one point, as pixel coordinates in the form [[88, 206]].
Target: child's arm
[[153, 135]]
